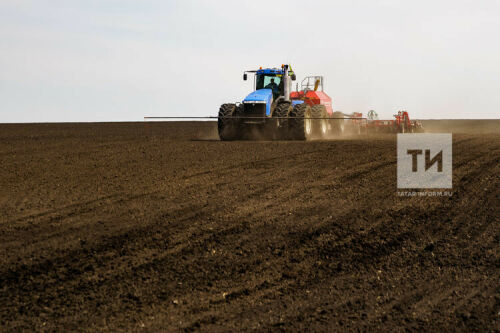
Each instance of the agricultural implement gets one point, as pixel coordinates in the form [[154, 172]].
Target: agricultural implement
[[400, 124]]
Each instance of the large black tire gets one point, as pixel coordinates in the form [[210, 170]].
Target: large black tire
[[320, 126], [281, 126], [337, 125], [300, 128], [229, 129]]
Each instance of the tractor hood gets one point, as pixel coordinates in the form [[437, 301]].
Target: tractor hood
[[261, 96]]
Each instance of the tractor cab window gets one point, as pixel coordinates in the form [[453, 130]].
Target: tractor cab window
[[268, 82]]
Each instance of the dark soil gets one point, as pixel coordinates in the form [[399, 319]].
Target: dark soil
[[130, 226]]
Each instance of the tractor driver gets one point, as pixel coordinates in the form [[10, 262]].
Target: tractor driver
[[273, 86]]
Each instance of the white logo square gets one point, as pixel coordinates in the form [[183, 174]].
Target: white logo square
[[424, 160]]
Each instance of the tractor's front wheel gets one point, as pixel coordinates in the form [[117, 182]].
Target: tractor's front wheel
[[281, 121], [229, 128], [300, 122]]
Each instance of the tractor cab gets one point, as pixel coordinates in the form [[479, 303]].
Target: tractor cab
[[271, 78], [270, 81]]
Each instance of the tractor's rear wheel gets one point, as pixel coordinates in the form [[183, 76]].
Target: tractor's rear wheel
[[229, 128], [337, 124], [300, 122], [320, 126], [281, 122]]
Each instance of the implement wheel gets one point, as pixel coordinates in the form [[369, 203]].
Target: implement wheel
[[338, 125], [320, 126]]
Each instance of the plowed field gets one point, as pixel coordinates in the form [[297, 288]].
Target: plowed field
[[131, 226]]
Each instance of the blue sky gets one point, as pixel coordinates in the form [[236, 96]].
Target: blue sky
[[121, 60]]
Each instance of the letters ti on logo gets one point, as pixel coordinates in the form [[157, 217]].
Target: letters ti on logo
[[425, 160]]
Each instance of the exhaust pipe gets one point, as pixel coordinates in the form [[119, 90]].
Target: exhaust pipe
[[286, 84]]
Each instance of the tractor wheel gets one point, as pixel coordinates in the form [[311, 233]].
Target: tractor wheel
[[228, 128], [338, 125], [281, 125], [320, 126], [301, 123]]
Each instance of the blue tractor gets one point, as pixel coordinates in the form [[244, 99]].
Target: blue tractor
[[270, 111]]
